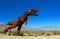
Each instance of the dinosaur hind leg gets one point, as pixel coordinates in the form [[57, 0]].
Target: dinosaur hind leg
[[9, 27], [19, 30]]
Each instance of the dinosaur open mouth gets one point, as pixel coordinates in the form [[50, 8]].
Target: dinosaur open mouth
[[36, 13]]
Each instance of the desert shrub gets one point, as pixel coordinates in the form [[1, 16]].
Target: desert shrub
[[54, 33], [48, 34]]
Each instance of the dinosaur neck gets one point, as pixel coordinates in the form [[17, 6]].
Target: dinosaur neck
[[26, 14]]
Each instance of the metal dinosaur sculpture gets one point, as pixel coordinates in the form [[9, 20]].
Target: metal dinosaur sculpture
[[20, 20]]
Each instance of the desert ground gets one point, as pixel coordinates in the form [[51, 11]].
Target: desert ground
[[32, 35], [29, 37]]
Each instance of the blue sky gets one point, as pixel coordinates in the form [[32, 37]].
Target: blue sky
[[48, 11]]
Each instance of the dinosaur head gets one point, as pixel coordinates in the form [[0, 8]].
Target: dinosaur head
[[33, 12]]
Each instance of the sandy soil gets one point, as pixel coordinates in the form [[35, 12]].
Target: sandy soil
[[29, 37]]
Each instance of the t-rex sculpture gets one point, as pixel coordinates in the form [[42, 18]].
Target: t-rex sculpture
[[20, 20]]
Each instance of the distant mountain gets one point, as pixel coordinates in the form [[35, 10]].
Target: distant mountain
[[48, 28], [52, 27], [2, 24]]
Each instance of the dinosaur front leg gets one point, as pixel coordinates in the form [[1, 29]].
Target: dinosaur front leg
[[26, 22]]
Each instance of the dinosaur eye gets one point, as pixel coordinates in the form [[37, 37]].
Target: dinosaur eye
[[29, 10]]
